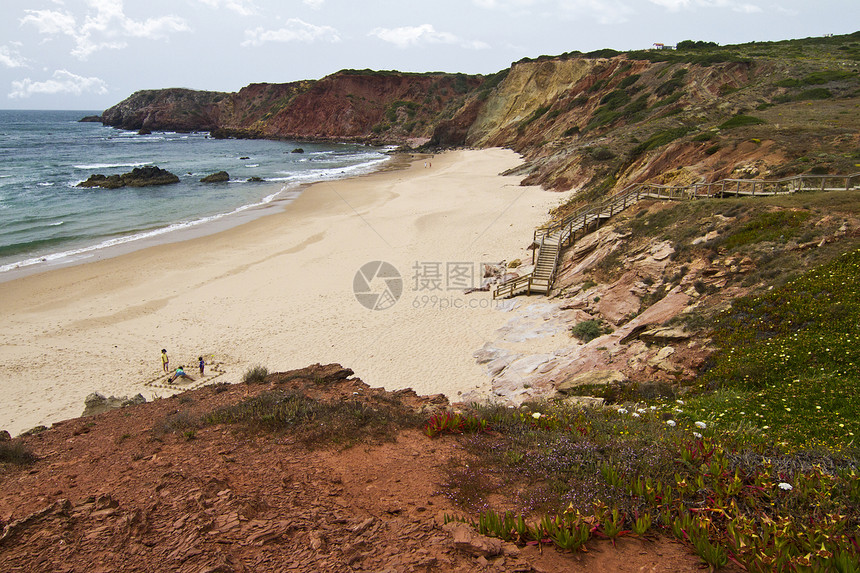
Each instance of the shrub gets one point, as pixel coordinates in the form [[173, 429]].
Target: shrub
[[588, 330], [344, 422], [602, 153], [660, 139], [16, 453], [814, 94], [255, 375], [629, 81], [615, 99]]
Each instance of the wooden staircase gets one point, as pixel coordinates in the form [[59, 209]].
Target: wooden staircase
[[551, 239]]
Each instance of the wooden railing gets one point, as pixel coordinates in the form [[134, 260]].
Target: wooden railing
[[584, 220]]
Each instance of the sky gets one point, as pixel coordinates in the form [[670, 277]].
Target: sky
[[92, 54]]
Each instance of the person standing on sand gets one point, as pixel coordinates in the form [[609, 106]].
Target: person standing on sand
[[165, 361], [201, 364]]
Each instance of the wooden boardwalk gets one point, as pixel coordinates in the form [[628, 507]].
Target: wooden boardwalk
[[552, 239]]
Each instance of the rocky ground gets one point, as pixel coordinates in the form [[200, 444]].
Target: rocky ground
[[149, 488]]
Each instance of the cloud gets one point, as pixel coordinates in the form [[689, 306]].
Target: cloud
[[63, 82], [295, 30], [105, 26], [10, 57], [315, 4], [424, 34], [734, 5], [605, 11], [241, 7]]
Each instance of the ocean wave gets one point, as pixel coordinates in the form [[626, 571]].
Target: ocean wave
[[45, 184], [87, 251], [111, 165]]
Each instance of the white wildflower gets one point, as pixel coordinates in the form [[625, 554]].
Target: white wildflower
[[785, 486], [536, 415], [670, 423], [622, 410], [701, 425], [634, 415], [697, 435], [681, 402]]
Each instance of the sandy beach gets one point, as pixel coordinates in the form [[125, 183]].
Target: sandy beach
[[279, 292]]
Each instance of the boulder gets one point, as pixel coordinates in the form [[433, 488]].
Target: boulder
[[465, 538], [585, 401], [298, 150], [218, 177], [664, 335], [137, 177], [592, 378], [95, 403]]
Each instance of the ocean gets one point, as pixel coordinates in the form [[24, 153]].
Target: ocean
[[46, 221]]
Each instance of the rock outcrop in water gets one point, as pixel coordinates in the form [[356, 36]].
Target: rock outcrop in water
[[137, 177], [217, 177]]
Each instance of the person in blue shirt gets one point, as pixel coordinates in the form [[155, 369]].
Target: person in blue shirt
[[180, 373]]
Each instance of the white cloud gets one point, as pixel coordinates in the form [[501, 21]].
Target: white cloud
[[241, 7], [105, 26], [423, 34], [295, 30], [734, 5], [605, 11], [63, 82], [315, 4], [10, 57]]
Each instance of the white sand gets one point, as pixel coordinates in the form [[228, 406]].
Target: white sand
[[278, 292]]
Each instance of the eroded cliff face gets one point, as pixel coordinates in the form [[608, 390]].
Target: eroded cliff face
[[386, 107], [592, 124], [175, 109]]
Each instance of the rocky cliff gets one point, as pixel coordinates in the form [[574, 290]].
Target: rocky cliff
[[592, 122]]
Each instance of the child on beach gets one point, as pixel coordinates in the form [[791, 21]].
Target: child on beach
[[180, 373], [201, 364], [165, 361]]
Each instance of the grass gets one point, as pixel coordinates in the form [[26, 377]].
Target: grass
[[760, 464], [792, 355], [741, 120], [16, 453], [723, 488], [315, 423], [660, 139], [255, 375]]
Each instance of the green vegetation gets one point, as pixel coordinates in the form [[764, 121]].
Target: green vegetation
[[758, 463], [588, 330], [629, 81], [791, 358], [536, 114], [660, 139], [741, 120], [768, 226], [314, 423], [16, 453], [255, 375], [606, 473]]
